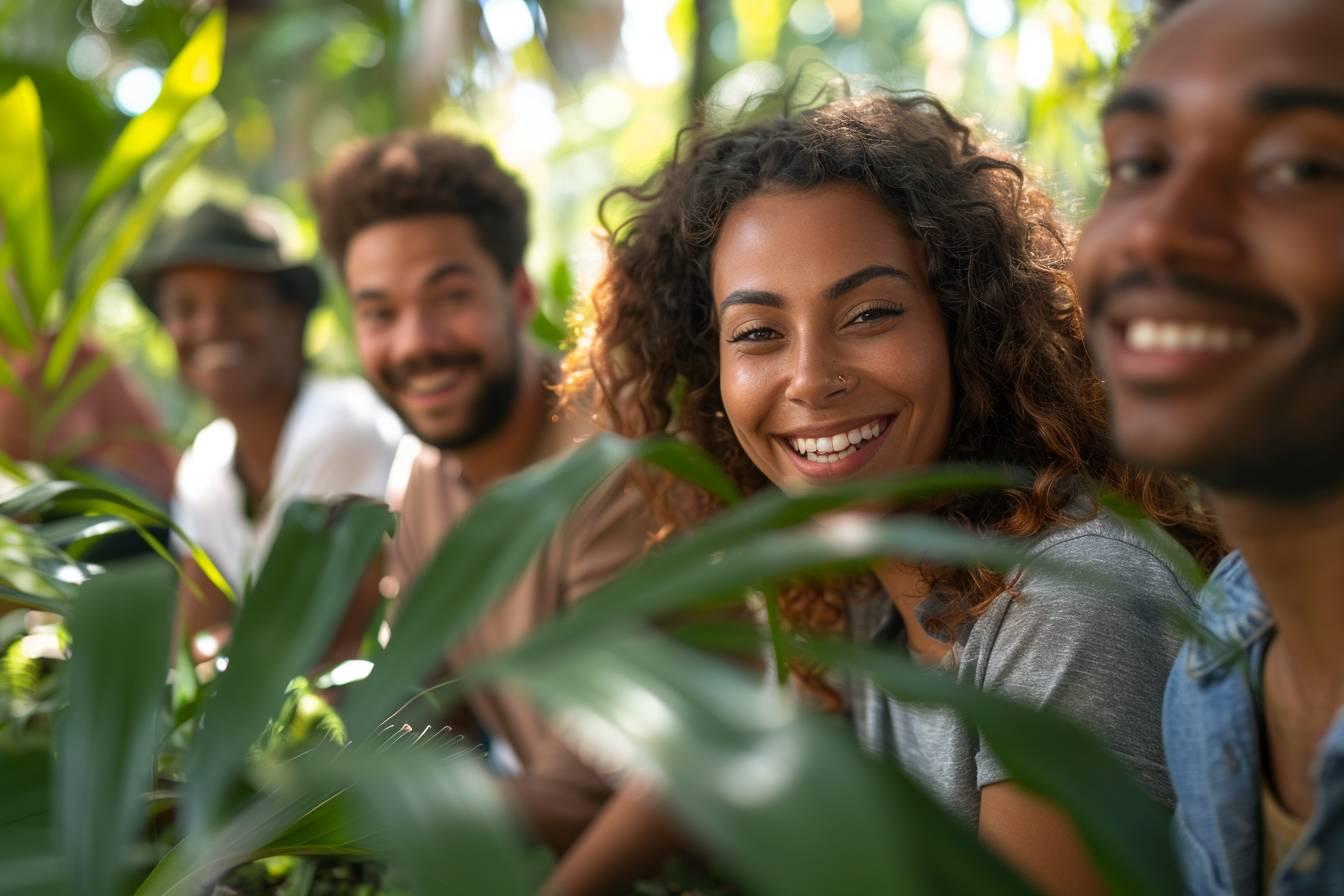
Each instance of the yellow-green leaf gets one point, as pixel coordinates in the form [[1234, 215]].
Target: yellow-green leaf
[[132, 230], [192, 76], [23, 193]]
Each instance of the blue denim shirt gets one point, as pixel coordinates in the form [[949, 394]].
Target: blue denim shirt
[[1211, 730]]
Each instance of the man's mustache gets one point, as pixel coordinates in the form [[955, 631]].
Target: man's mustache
[[397, 376], [1225, 294]]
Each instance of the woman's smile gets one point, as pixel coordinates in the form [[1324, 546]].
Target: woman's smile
[[833, 351]]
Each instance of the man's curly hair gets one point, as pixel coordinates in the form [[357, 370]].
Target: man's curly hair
[[1025, 392], [411, 174]]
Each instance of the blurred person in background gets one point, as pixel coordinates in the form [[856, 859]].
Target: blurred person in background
[[1213, 279], [235, 311], [428, 233]]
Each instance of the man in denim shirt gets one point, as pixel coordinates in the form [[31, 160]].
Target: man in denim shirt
[[1213, 278]]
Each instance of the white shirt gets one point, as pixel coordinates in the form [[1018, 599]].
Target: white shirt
[[339, 439]]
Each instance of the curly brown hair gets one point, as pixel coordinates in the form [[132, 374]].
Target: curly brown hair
[[410, 174], [1025, 392]]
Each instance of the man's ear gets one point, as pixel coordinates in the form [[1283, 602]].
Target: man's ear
[[524, 295]]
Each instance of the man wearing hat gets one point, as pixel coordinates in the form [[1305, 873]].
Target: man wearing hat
[[235, 311]]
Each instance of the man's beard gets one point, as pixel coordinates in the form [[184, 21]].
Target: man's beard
[[489, 411]]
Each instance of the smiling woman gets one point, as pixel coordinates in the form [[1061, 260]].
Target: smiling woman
[[865, 289]]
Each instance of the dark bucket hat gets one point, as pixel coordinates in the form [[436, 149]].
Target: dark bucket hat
[[215, 235]]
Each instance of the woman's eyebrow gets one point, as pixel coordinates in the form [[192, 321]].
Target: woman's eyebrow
[[750, 297], [853, 281]]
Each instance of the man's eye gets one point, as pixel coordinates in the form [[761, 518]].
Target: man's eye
[[1292, 172], [1135, 169], [374, 315]]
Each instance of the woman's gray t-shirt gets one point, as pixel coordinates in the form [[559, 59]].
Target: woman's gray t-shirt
[[1099, 654]]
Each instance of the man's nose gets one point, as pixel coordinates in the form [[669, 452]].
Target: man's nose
[[416, 335], [1189, 216]]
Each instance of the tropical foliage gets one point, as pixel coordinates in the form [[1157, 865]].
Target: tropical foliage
[[761, 781], [118, 779]]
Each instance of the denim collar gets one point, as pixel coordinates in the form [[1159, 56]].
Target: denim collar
[[1233, 617]]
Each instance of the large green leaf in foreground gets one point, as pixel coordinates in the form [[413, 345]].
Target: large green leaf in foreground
[[121, 628], [282, 628]]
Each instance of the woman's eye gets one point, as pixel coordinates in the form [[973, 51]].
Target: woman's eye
[[753, 334], [876, 312]]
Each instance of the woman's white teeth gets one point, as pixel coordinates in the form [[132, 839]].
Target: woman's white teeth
[[829, 449], [1148, 335]]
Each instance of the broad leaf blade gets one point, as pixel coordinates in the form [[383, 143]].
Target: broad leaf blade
[[281, 629], [24, 203], [131, 231], [121, 627], [311, 820], [192, 76], [439, 820], [484, 554], [759, 783], [1126, 833]]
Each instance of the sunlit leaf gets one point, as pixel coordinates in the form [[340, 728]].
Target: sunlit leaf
[[24, 204], [190, 77], [131, 231], [759, 784], [34, 601], [485, 552], [114, 682]]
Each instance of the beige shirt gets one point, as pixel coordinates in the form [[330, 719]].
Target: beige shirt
[[607, 531]]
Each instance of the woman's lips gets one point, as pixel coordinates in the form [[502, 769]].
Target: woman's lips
[[824, 462]]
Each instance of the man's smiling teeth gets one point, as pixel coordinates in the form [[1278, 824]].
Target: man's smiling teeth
[[220, 354], [1147, 335], [829, 449], [429, 383]]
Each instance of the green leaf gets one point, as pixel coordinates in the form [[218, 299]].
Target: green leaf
[[739, 549], [90, 495], [484, 554], [72, 530], [439, 820], [131, 231], [282, 628], [307, 820], [1126, 832], [121, 629], [28, 862], [24, 204], [192, 76], [34, 601], [14, 327], [762, 785], [70, 392], [9, 380], [1156, 538]]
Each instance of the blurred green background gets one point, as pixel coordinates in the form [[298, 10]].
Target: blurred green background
[[574, 95]]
